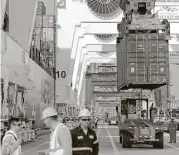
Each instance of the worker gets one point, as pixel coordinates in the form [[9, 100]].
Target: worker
[[60, 143], [172, 128], [11, 144], [96, 123], [84, 139], [152, 112]]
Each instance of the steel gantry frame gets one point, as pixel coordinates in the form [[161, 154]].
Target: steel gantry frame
[[81, 44], [88, 30], [81, 47]]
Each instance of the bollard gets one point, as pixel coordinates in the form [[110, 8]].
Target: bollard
[[32, 135], [25, 137], [28, 135]]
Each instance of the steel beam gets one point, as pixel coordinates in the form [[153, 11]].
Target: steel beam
[[101, 47], [104, 83], [112, 101], [104, 104], [116, 94]]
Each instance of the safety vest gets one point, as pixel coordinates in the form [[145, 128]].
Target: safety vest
[[82, 150], [54, 144], [11, 133]]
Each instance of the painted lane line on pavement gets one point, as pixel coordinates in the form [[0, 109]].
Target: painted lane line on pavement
[[35, 147], [116, 152], [172, 146]]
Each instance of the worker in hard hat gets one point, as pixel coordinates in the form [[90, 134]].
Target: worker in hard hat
[[96, 123], [60, 141], [84, 139], [172, 128]]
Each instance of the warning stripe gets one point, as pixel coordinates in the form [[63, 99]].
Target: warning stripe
[[82, 149]]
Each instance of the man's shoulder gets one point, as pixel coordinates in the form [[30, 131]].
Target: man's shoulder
[[8, 138], [92, 131], [74, 130], [62, 126], [9, 133]]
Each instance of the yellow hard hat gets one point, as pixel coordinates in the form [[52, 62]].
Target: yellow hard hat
[[48, 112], [84, 113]]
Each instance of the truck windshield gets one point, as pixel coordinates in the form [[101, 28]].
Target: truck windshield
[[132, 107]]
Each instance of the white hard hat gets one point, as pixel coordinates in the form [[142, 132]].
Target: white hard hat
[[84, 113], [48, 112]]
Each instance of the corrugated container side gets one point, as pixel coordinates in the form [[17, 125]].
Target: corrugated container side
[[136, 54], [158, 59], [118, 60], [121, 63], [124, 62], [143, 61]]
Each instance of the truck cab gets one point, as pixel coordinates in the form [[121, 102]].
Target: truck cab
[[113, 121]]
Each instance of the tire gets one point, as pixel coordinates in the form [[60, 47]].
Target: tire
[[155, 145], [124, 140], [129, 143], [126, 143], [120, 139], [160, 144], [161, 141]]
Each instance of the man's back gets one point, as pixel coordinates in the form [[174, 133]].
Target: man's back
[[64, 139], [10, 144]]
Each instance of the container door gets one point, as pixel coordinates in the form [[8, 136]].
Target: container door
[[136, 55], [157, 64]]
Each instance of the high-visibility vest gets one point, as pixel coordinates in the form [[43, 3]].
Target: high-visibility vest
[[82, 151], [12, 134], [54, 144]]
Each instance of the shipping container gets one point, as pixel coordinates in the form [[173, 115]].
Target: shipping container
[[142, 61]]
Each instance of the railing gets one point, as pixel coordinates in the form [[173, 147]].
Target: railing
[[30, 135], [27, 135]]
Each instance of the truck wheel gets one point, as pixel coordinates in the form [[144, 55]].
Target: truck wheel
[[126, 143], [161, 141], [155, 145], [159, 144], [120, 139], [129, 143], [124, 140]]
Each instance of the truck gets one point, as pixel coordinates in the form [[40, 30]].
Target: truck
[[142, 63], [112, 121], [137, 127]]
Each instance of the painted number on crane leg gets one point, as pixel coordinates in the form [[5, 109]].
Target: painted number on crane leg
[[63, 74]]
